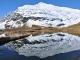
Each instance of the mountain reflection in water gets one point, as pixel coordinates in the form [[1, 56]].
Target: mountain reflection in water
[[59, 46], [45, 45]]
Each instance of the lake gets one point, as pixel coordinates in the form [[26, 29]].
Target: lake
[[55, 46]]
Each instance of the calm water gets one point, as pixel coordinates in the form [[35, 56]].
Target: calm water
[[55, 46]]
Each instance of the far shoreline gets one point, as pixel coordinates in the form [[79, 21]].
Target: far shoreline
[[18, 33]]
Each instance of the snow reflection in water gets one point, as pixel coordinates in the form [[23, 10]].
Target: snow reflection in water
[[2, 35], [45, 45]]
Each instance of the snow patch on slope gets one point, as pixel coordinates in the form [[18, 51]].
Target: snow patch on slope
[[2, 25]]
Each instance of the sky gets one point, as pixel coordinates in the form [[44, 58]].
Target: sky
[[11, 5]]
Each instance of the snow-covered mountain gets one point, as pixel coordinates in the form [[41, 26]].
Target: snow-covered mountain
[[45, 45], [41, 14]]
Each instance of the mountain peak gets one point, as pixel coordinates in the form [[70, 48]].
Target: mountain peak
[[42, 4], [43, 14]]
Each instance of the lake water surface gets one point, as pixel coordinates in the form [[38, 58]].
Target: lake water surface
[[55, 46]]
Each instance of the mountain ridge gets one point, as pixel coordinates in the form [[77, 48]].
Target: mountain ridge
[[41, 14]]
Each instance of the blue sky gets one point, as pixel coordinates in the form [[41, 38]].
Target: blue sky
[[11, 5]]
